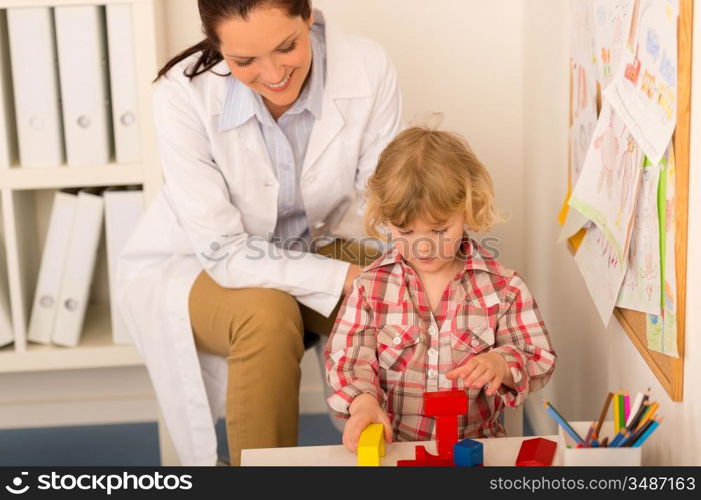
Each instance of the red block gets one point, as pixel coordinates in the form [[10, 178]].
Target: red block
[[425, 463], [536, 452], [445, 403], [445, 406]]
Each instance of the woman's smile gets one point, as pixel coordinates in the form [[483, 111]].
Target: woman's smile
[[283, 85]]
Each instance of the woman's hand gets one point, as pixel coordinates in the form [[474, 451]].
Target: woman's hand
[[353, 272], [364, 410], [488, 368]]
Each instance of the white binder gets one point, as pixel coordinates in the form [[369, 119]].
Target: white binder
[[6, 336], [82, 64], [122, 63], [78, 272], [8, 137], [53, 262], [123, 209], [35, 84]]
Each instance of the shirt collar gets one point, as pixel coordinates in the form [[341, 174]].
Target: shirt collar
[[241, 103], [476, 257]]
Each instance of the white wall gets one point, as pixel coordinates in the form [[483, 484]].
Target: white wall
[[593, 359]]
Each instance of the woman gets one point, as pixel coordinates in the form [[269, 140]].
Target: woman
[[266, 129]]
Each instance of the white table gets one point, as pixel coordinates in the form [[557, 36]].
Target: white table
[[497, 451]]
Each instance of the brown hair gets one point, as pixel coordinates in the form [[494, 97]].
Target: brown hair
[[212, 13], [429, 173]]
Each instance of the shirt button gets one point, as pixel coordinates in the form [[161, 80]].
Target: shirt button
[[474, 343], [432, 373], [432, 330], [432, 352], [397, 340]]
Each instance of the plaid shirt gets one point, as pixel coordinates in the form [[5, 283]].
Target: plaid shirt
[[387, 342]]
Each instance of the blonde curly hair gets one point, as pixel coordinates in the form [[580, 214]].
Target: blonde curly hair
[[432, 174]]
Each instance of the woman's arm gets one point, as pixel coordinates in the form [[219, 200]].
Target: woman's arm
[[213, 224]]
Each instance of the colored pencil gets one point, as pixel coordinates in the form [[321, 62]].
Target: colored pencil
[[634, 409], [590, 434], [620, 438], [636, 434], [646, 396], [563, 423], [616, 413], [648, 414], [641, 411], [605, 442], [604, 411], [638, 442], [626, 408]]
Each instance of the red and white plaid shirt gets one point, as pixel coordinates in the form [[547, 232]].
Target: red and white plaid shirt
[[387, 342]]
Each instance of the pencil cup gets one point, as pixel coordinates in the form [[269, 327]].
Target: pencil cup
[[594, 456]]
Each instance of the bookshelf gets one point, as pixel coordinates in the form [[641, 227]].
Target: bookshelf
[[25, 209]]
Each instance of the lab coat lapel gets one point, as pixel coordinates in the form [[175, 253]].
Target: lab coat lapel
[[346, 78]]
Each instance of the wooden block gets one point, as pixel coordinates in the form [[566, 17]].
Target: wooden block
[[446, 403], [371, 445], [536, 452], [468, 453]]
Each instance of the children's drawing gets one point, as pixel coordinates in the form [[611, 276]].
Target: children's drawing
[[607, 188], [602, 270], [643, 91], [582, 38], [641, 289], [580, 137], [583, 110], [611, 27], [662, 329]]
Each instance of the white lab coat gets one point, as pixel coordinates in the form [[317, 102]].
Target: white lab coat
[[218, 207]]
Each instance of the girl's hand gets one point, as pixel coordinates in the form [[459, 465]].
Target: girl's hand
[[364, 410], [488, 368]]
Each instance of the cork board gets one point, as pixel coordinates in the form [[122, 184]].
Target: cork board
[[668, 370]]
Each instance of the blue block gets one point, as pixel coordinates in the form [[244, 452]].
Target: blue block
[[468, 453]]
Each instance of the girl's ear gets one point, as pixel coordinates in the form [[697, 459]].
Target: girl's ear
[[311, 20]]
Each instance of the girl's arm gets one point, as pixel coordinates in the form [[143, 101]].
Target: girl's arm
[[523, 340], [351, 354]]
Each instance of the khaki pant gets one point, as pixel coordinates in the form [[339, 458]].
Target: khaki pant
[[260, 332]]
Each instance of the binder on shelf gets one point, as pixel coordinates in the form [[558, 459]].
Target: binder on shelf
[[6, 335], [123, 209], [122, 70], [8, 136], [79, 268], [35, 84], [82, 64], [51, 269]]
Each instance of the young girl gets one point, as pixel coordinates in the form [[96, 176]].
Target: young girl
[[436, 311]]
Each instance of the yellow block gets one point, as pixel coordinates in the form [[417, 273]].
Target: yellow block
[[371, 445]]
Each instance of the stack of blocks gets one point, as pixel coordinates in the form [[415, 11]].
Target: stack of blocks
[[445, 406]]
